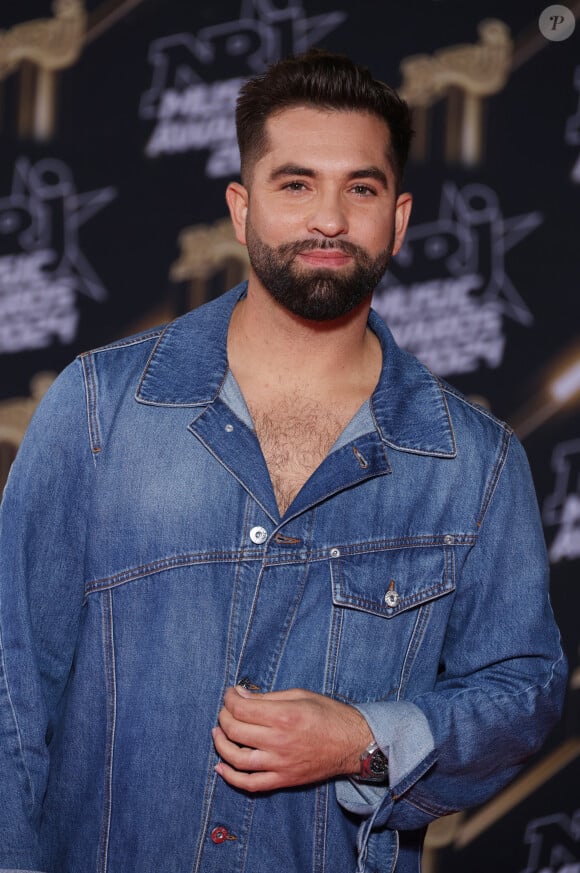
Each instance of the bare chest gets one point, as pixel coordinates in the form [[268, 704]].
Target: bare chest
[[295, 437]]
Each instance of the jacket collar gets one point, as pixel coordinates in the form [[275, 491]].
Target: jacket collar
[[408, 404]]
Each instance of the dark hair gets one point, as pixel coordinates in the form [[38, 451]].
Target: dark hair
[[318, 78]]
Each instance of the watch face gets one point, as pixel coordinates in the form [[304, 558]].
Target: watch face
[[374, 765], [378, 763]]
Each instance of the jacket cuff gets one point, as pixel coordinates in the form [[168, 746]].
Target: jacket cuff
[[403, 734]]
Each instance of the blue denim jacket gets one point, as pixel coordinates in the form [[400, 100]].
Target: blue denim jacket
[[144, 568]]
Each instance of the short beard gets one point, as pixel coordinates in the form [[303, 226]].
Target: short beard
[[316, 295]]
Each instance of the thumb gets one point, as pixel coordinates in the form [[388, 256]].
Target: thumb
[[288, 694], [246, 692]]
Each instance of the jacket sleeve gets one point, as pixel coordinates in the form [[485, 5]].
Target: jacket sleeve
[[42, 535], [501, 681]]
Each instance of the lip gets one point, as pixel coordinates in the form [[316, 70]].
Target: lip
[[325, 258]]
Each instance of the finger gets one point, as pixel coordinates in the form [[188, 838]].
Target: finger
[[239, 757], [245, 692], [242, 732], [261, 781], [288, 694], [253, 709], [285, 694]]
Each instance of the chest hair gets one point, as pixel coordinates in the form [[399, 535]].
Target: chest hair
[[295, 435]]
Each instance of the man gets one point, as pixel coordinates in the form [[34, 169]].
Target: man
[[273, 597]]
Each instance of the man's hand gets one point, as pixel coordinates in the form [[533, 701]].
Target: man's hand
[[285, 738]]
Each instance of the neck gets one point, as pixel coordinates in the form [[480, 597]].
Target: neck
[[265, 337]]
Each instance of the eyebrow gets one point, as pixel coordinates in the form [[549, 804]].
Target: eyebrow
[[363, 173], [371, 173]]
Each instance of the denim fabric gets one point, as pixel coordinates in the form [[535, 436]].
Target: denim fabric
[[408, 578]]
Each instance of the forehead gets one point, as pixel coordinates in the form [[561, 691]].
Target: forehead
[[307, 135]]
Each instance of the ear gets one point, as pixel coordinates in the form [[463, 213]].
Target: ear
[[237, 200], [402, 214]]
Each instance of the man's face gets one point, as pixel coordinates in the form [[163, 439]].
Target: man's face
[[320, 217]]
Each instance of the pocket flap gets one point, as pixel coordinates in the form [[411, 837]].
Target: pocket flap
[[393, 580]]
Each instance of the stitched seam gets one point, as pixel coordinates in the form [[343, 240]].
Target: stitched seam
[[494, 478], [172, 404], [429, 453], [335, 635], [429, 808], [126, 343], [447, 413], [479, 409], [134, 573], [138, 572], [417, 637], [442, 587], [250, 806], [320, 828], [463, 539], [111, 698], [90, 381], [396, 852]]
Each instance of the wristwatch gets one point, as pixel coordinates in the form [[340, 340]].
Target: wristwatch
[[374, 766]]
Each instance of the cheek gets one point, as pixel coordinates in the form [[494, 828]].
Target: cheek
[[378, 236], [275, 225]]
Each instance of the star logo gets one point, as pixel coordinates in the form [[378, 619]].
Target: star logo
[[447, 290], [470, 236], [42, 267], [43, 213]]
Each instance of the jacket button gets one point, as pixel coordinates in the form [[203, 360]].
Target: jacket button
[[246, 682], [392, 599], [220, 835], [258, 534]]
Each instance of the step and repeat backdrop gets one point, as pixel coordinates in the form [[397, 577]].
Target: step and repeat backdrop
[[117, 141]]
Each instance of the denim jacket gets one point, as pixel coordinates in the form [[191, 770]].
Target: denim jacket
[[144, 568]]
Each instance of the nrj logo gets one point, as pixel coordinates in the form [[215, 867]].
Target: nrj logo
[[447, 291], [554, 843], [42, 269], [196, 77], [562, 508]]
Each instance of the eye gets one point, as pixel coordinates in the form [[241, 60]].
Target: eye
[[294, 186], [363, 191]]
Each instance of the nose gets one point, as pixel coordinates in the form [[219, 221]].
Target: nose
[[328, 215]]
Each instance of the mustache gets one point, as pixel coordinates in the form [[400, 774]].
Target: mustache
[[309, 245]]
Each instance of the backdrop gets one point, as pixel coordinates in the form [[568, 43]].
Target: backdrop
[[117, 141]]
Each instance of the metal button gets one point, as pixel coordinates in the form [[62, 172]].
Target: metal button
[[335, 553], [229, 428], [392, 599], [246, 682], [258, 534], [220, 835], [448, 540]]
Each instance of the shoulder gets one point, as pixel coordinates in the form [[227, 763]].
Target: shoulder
[[472, 419]]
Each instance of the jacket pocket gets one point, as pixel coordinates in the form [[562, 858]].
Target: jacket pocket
[[385, 604]]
